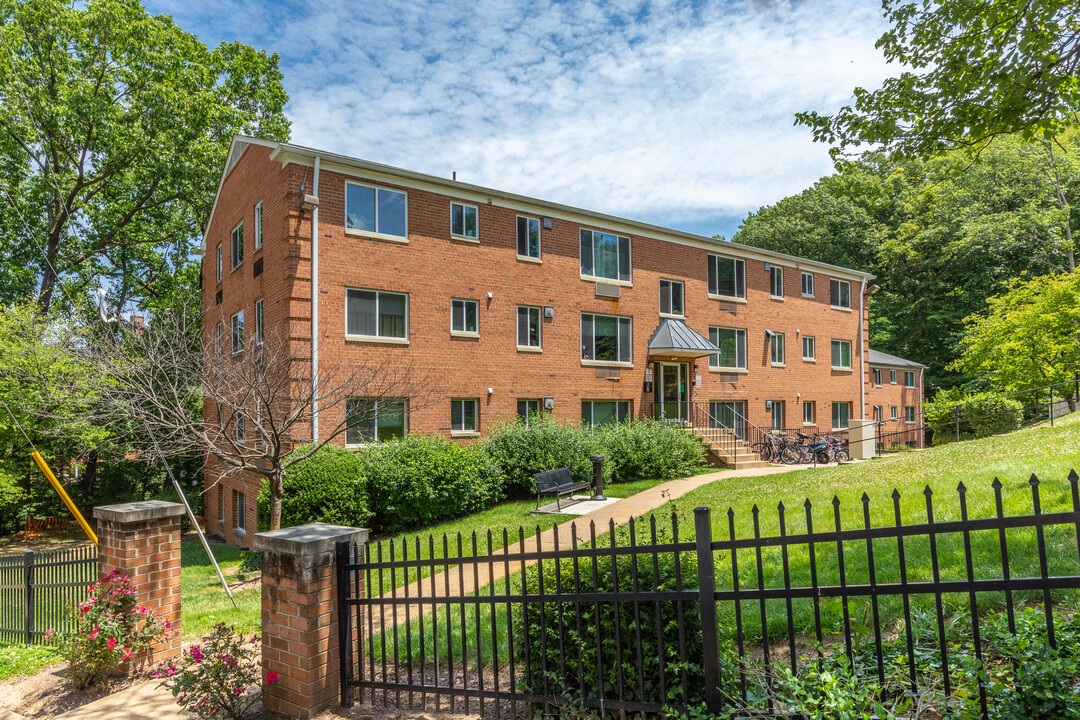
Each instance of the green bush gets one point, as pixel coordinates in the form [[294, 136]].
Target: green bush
[[12, 500], [419, 480], [545, 444], [981, 415], [328, 487], [645, 449]]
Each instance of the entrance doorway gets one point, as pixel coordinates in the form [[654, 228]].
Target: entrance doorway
[[672, 391]]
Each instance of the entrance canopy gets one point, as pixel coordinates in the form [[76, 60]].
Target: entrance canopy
[[673, 338]]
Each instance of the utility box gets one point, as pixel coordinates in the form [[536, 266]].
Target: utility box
[[862, 439]]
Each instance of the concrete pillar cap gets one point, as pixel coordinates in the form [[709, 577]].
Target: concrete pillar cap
[[308, 540], [138, 511]]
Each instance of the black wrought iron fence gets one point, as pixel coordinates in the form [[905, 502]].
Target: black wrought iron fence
[[38, 590], [648, 618]]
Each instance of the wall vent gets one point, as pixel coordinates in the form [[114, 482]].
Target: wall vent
[[608, 291], [258, 267], [608, 373], [729, 307], [732, 378]]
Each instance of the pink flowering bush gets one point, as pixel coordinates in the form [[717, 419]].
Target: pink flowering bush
[[110, 627], [212, 677]]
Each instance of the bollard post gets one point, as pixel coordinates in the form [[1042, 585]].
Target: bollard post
[[598, 476]]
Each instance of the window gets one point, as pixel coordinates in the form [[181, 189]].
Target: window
[[220, 339], [606, 338], [892, 377], [373, 420], [260, 425], [840, 293], [219, 264], [463, 315], [463, 221], [732, 344], [909, 378], [808, 413], [237, 245], [841, 413], [220, 506], [528, 237], [371, 313], [528, 326], [841, 354], [671, 297], [259, 331], [909, 414], [240, 429], [727, 276], [776, 281], [879, 414], [729, 414], [463, 416], [892, 412], [777, 349], [808, 349], [808, 284], [604, 255], [528, 409], [777, 411], [238, 333], [240, 506], [258, 225], [376, 210], [877, 376], [599, 412]]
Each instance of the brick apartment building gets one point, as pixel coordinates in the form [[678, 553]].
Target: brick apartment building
[[522, 304], [895, 396]]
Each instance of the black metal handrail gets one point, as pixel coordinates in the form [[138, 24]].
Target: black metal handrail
[[742, 435]]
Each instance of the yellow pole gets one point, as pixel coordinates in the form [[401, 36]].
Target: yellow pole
[[63, 495]]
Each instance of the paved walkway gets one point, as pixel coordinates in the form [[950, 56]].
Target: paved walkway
[[138, 702], [453, 584]]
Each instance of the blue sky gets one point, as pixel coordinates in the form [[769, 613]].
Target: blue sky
[[676, 113]]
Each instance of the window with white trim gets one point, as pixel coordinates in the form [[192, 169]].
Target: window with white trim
[[892, 377], [893, 412], [528, 237], [809, 412], [808, 284], [671, 297], [220, 339], [240, 509], [528, 326], [909, 414], [841, 354], [237, 245], [376, 210], [841, 414], [727, 276], [809, 351], [777, 411], [879, 414], [219, 266], [258, 225], [463, 316], [375, 313], [463, 220], [375, 419], [840, 293], [605, 255], [240, 428], [776, 281], [463, 415], [238, 333], [528, 410], [600, 412], [909, 378], [776, 349], [606, 338], [732, 344], [877, 376], [259, 327]]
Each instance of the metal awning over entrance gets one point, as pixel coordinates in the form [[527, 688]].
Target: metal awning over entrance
[[673, 338]]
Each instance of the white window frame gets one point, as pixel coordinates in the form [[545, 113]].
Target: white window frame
[[220, 339], [240, 428], [376, 233], [464, 235], [258, 226], [530, 309], [539, 238], [879, 414], [892, 377], [259, 326], [894, 412], [395, 401], [528, 410], [832, 351], [740, 349], [394, 339], [812, 341], [807, 276], [909, 375], [839, 305], [776, 342], [619, 279], [837, 405], [877, 376], [809, 415], [618, 362], [236, 329], [671, 298], [236, 245], [910, 415], [776, 281], [462, 430], [240, 501], [592, 411], [220, 264], [464, 331], [713, 272]]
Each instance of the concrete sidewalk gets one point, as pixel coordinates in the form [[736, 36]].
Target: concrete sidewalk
[[458, 581], [146, 701]]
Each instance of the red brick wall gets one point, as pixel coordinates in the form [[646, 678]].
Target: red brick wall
[[889, 395]]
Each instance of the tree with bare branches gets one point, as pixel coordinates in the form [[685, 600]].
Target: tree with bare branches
[[247, 408]]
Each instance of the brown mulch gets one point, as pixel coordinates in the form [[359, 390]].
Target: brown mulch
[[48, 693]]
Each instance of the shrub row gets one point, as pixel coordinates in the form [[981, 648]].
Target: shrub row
[[417, 481], [981, 415]]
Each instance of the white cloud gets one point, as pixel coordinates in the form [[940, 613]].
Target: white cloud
[[664, 111]]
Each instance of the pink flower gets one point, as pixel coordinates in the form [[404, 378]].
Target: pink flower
[[271, 677], [111, 644], [239, 691], [196, 654]]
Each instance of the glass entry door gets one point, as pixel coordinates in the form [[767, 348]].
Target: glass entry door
[[672, 391]]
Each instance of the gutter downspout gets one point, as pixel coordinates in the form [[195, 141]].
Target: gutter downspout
[[862, 350], [315, 308]]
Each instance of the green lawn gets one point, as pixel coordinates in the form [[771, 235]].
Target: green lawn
[[203, 600], [17, 660]]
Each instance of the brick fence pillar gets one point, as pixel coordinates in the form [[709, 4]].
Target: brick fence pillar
[[299, 616], [142, 541]]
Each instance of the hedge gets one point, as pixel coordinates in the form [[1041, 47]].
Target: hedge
[[328, 487], [545, 444], [981, 415], [645, 449]]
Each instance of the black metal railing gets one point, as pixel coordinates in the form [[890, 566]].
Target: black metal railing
[[732, 436], [39, 590], [645, 619]]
